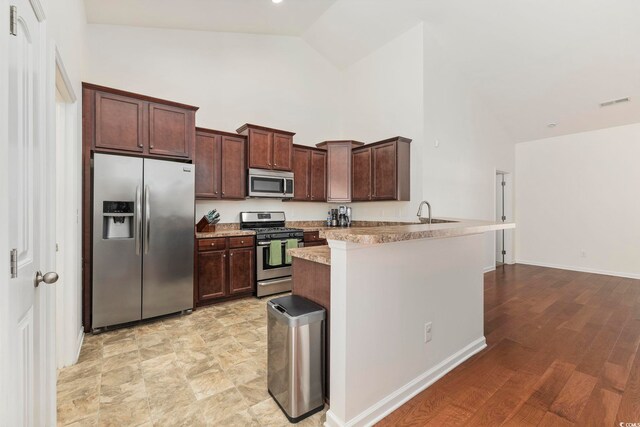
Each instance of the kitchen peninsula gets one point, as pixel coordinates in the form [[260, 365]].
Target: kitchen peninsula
[[406, 307]]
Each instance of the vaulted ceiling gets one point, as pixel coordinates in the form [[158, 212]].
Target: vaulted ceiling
[[532, 62]]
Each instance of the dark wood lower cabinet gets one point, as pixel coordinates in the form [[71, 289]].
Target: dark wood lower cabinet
[[225, 269], [241, 270], [312, 280], [211, 275], [312, 238]]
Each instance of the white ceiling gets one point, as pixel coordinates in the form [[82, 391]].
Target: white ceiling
[[291, 17], [532, 62]]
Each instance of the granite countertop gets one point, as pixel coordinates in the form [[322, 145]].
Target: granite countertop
[[319, 254], [225, 230], [224, 233], [372, 235]]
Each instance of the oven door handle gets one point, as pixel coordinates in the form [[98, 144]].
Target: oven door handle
[[284, 242]]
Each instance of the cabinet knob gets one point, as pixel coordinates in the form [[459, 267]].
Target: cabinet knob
[[224, 255], [231, 255], [215, 192], [223, 193], [213, 244], [241, 241]]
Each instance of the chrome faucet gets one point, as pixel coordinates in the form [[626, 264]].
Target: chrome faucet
[[420, 211]]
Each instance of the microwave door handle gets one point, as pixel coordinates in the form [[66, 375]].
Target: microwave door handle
[[284, 186]]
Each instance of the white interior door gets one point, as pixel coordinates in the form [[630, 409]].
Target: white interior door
[[30, 396]]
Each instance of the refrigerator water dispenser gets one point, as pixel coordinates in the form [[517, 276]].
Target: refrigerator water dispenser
[[117, 220]]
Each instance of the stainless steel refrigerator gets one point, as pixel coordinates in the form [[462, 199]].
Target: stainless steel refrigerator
[[143, 237]]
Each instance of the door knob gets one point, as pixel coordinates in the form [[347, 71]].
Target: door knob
[[49, 278]]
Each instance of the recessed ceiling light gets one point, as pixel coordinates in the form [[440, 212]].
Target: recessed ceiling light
[[277, 1], [552, 125]]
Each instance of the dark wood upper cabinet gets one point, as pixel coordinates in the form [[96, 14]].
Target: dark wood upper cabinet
[[220, 165], [234, 172], [381, 171], [339, 169], [119, 122], [171, 131], [301, 173], [207, 161], [136, 124], [309, 174], [282, 151], [385, 168], [268, 148], [361, 185], [260, 148], [211, 275], [318, 175], [241, 270]]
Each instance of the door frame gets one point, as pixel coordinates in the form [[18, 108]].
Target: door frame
[[509, 213], [68, 315]]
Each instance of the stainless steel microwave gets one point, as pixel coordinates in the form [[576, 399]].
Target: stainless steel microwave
[[268, 183]]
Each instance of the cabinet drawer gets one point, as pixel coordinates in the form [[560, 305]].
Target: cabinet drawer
[[312, 236], [241, 242], [211, 244]]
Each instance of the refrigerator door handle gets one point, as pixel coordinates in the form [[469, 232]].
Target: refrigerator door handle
[[147, 220], [138, 219]]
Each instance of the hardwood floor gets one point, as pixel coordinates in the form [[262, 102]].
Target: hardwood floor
[[562, 351]]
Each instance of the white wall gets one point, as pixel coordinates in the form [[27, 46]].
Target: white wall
[[578, 193], [234, 78], [459, 176], [383, 98]]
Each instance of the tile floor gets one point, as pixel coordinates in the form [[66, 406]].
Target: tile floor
[[204, 369]]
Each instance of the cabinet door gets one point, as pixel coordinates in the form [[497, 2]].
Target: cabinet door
[[171, 131], [207, 162], [384, 172], [119, 122], [318, 175], [234, 174], [260, 149], [361, 188], [301, 173], [339, 172], [241, 270], [211, 275], [282, 151]]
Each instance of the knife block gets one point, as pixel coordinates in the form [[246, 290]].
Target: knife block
[[203, 226]]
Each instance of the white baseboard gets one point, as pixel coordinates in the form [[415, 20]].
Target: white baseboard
[[79, 342], [580, 269], [488, 269], [393, 401]]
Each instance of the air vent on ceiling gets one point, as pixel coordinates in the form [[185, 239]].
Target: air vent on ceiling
[[615, 101]]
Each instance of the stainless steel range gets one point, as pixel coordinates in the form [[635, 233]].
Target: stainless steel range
[[273, 274]]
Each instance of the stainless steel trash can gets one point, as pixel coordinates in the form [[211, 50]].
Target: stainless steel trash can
[[296, 355]]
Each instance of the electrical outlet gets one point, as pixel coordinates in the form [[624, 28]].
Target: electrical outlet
[[436, 143], [427, 332]]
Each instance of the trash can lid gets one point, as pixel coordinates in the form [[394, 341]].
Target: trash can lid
[[296, 306]]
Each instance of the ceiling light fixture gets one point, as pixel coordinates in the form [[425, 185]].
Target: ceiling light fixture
[[552, 125], [277, 1]]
